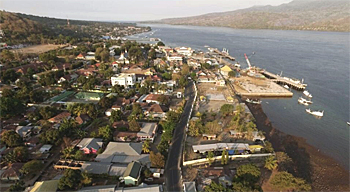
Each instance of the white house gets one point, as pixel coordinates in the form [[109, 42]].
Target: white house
[[184, 51], [125, 79]]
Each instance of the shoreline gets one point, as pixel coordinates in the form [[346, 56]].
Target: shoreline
[[309, 163]]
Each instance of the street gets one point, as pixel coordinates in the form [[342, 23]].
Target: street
[[172, 169]]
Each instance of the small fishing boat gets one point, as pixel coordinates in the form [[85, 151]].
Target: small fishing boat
[[286, 86], [307, 94], [348, 123], [303, 101], [253, 101], [316, 113]]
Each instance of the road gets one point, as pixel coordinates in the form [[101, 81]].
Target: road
[[172, 169]]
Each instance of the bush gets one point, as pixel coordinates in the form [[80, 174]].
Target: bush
[[284, 181]]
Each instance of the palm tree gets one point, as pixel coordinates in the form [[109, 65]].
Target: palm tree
[[271, 163], [146, 146], [68, 152]]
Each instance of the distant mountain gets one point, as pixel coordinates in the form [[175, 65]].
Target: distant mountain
[[321, 15]]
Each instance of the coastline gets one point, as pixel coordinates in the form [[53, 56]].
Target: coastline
[[319, 169]]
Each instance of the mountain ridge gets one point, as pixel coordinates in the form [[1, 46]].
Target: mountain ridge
[[320, 15]]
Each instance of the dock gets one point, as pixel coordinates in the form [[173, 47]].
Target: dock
[[224, 54], [285, 81]]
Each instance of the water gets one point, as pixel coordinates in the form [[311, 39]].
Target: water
[[321, 58]]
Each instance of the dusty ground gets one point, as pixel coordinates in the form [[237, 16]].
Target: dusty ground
[[323, 172], [37, 49]]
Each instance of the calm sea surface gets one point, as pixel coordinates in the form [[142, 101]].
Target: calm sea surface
[[322, 59]]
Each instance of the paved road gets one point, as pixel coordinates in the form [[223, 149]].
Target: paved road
[[172, 169]]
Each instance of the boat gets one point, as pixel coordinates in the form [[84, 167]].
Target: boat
[[306, 93], [303, 101], [316, 113], [348, 123], [286, 86], [253, 101], [207, 46]]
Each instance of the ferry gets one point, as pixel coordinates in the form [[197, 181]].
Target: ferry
[[253, 101], [316, 113], [306, 93]]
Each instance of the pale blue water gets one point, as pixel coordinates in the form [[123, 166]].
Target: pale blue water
[[321, 58]]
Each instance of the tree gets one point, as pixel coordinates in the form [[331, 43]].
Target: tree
[[47, 112], [68, 152], [248, 173], [162, 99], [226, 109], [232, 74], [70, 180], [51, 136], [212, 127], [147, 172], [18, 186], [134, 125], [7, 55], [270, 163], [284, 181], [31, 167], [79, 155], [10, 107], [185, 70], [268, 147], [12, 139], [166, 76], [21, 154], [182, 81], [157, 160], [86, 178], [214, 187], [210, 157], [105, 102], [194, 128], [146, 146], [106, 133], [160, 43], [116, 115], [224, 157]]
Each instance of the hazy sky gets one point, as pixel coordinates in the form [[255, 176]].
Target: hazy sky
[[127, 10]]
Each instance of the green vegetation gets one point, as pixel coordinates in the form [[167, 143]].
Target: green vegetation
[[157, 160], [270, 163], [284, 181], [12, 139]]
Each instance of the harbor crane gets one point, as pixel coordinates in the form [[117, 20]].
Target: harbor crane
[[247, 59]]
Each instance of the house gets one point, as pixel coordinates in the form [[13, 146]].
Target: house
[[92, 96], [118, 152], [174, 57], [12, 173], [99, 188], [187, 51], [45, 148], [68, 78], [132, 174], [225, 70], [59, 118], [255, 135], [82, 118], [32, 142], [125, 136], [61, 66], [141, 188], [157, 111], [152, 98], [209, 136], [45, 186], [231, 147], [189, 186], [96, 167], [125, 79], [120, 124], [147, 132], [81, 56], [122, 59], [90, 145], [24, 131]]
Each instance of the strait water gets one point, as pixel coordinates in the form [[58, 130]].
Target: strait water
[[322, 59]]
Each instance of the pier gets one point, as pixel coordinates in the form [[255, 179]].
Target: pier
[[285, 81], [224, 54]]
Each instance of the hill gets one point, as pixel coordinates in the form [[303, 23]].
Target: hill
[[322, 15]]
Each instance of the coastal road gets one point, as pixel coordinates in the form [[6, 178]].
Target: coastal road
[[172, 168]]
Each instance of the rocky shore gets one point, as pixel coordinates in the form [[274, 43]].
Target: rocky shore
[[309, 163]]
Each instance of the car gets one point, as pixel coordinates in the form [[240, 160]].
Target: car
[[149, 179]]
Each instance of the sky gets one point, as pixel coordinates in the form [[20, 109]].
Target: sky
[[127, 10]]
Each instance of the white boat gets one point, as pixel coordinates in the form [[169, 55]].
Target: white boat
[[316, 113], [303, 101], [253, 101], [306, 93], [206, 46], [348, 123], [286, 86]]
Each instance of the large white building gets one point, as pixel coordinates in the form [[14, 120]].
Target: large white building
[[184, 51], [125, 79]]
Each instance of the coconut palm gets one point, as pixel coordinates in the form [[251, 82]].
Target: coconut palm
[[271, 163], [146, 146]]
